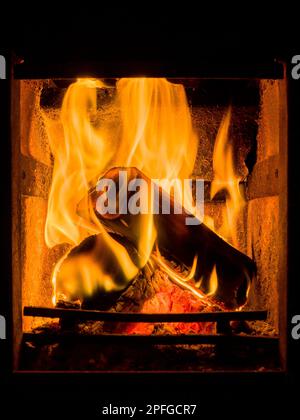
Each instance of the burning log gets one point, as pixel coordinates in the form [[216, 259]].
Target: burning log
[[90, 273], [234, 269]]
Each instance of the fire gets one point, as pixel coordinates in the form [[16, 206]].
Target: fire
[[156, 137], [226, 179], [213, 282], [81, 151], [176, 278], [157, 132], [76, 146]]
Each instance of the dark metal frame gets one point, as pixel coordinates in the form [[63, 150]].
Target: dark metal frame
[[94, 315], [246, 70]]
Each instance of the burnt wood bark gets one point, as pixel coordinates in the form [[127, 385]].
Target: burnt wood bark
[[235, 270]]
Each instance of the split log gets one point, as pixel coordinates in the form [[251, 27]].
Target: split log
[[235, 270]]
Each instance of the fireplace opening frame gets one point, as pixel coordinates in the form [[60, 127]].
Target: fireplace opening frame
[[20, 72]]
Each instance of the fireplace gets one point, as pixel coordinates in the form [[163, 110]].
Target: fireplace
[[167, 296]]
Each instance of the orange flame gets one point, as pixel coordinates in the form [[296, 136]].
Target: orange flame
[[157, 133], [225, 179], [213, 282], [81, 151], [77, 147]]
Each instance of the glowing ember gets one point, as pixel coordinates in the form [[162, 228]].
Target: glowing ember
[[162, 296]]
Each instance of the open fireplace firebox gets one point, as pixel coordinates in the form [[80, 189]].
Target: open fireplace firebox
[[149, 220]]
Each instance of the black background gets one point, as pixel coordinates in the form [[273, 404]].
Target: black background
[[228, 36]]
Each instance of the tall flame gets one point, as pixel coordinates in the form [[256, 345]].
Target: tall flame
[[157, 138], [157, 133], [80, 152], [226, 179]]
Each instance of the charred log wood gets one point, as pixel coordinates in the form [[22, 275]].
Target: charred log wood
[[235, 270]]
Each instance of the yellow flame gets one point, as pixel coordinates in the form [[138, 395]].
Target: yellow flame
[[81, 151], [77, 276], [225, 179], [213, 282], [156, 137], [177, 278]]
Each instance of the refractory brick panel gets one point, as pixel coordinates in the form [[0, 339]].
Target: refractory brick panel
[[269, 120], [34, 141], [38, 261], [263, 247]]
